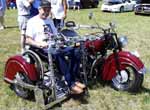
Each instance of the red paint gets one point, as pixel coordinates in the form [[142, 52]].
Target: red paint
[[109, 67], [18, 64]]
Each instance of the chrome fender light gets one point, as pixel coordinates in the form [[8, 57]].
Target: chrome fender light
[[123, 41]]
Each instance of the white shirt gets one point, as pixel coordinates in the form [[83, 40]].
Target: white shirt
[[39, 29], [23, 7], [77, 1], [2, 7], [57, 9]]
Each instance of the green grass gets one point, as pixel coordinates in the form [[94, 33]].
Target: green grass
[[136, 28]]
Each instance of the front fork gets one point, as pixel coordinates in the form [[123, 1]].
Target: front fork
[[117, 61]]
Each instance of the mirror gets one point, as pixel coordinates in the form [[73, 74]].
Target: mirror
[[112, 24]]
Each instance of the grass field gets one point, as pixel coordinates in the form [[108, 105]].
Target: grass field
[[136, 28]]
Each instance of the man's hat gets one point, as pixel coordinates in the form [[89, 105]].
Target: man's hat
[[45, 3]]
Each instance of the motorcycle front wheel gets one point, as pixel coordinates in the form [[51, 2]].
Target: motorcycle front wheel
[[128, 79]]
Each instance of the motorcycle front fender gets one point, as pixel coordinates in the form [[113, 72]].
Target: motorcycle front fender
[[110, 67], [17, 64]]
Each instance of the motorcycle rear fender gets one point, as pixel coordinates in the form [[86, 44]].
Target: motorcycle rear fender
[[18, 64], [110, 68]]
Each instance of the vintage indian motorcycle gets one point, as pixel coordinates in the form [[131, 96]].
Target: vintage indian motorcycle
[[103, 57]]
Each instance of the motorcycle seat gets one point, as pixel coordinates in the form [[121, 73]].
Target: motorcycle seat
[[69, 33]]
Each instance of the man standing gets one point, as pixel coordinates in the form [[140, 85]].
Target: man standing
[[34, 8], [59, 12], [2, 13], [77, 4], [23, 7]]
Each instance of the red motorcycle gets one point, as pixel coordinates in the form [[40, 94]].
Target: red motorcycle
[[34, 75], [103, 58]]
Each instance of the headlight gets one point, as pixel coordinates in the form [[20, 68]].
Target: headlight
[[123, 41]]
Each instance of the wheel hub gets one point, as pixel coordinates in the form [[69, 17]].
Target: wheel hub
[[122, 77]]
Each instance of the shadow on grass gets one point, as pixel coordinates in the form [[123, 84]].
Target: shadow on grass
[[97, 83], [9, 27], [142, 14], [145, 90]]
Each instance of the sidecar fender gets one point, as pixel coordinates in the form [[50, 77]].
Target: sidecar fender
[[110, 68], [17, 64]]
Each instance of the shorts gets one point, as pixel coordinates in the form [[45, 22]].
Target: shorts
[[22, 20], [77, 4]]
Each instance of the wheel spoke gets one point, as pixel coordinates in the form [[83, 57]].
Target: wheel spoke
[[128, 79]]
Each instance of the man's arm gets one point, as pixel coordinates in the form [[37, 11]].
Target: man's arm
[[65, 8], [41, 44], [27, 3]]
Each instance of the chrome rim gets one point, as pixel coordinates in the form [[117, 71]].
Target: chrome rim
[[125, 79], [19, 89]]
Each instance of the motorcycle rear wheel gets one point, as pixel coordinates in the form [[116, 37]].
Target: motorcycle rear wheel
[[128, 80], [21, 91]]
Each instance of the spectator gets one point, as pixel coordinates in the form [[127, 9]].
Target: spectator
[[40, 27], [2, 13], [68, 3], [34, 8], [8, 3], [59, 12], [77, 4], [23, 7], [11, 4]]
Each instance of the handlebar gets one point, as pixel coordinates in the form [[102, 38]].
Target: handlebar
[[80, 26]]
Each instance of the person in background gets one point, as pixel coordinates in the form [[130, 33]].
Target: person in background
[[2, 13], [59, 12], [34, 8], [23, 7], [39, 28], [12, 4], [68, 4], [77, 4], [8, 4]]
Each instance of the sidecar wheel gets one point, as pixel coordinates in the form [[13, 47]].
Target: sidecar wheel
[[19, 90], [128, 80]]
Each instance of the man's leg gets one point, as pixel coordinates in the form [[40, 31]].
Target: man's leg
[[22, 26], [1, 22], [64, 66], [57, 22]]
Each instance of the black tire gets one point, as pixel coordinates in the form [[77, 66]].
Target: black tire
[[129, 80], [20, 91], [121, 9]]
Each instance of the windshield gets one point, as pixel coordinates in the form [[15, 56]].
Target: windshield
[[112, 2]]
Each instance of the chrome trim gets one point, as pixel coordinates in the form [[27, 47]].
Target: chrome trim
[[17, 63], [93, 64], [8, 80], [40, 61], [142, 70]]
